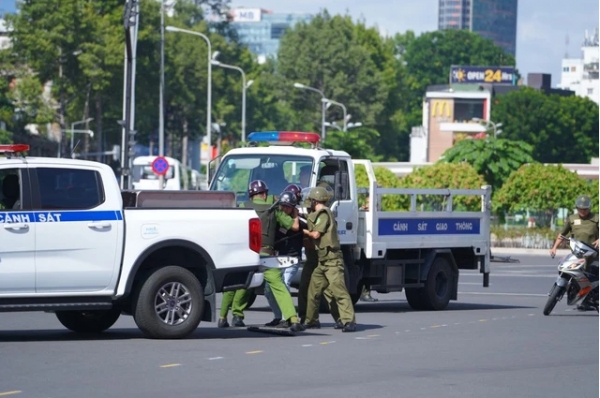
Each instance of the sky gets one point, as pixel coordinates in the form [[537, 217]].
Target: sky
[[542, 25]]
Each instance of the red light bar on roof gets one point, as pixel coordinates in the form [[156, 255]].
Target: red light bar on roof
[[14, 148]]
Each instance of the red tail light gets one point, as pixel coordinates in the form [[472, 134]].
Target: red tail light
[[255, 229]]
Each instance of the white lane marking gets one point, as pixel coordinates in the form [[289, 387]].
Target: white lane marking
[[505, 294], [214, 358]]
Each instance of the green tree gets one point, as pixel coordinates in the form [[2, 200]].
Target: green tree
[[442, 176], [540, 187], [493, 158], [329, 55], [560, 129], [385, 179]]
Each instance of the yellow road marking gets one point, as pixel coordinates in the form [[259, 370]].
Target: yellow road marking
[[372, 335], [482, 320], [436, 326], [7, 393], [253, 352], [171, 365]]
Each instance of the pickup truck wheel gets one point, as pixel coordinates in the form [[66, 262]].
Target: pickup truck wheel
[[169, 304], [88, 321]]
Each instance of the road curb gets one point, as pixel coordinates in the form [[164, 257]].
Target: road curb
[[534, 252]]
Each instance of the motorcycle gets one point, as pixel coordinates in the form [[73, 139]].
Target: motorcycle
[[573, 280]]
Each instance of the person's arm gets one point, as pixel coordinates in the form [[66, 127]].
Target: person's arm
[[287, 222], [566, 229], [320, 227]]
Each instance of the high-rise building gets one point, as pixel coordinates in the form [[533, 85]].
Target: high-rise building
[[492, 19], [262, 29], [581, 74]]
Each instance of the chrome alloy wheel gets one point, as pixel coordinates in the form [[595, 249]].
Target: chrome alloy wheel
[[173, 303]]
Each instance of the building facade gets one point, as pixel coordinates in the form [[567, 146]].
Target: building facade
[[492, 19], [581, 74], [261, 30]]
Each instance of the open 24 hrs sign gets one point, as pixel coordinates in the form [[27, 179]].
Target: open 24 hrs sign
[[483, 74]]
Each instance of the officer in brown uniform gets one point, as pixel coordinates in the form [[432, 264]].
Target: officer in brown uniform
[[584, 227], [329, 273]]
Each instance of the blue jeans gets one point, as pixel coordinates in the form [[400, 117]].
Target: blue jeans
[[287, 275]]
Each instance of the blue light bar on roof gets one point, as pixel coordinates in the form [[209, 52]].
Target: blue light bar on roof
[[284, 136]]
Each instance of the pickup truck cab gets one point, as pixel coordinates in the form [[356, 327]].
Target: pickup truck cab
[[72, 243]]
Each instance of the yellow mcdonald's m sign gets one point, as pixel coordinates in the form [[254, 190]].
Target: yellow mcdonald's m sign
[[440, 108]]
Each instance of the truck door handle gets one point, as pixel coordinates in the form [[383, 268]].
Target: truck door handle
[[99, 225], [16, 226]]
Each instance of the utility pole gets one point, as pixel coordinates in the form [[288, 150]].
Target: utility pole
[[130, 23], [161, 107]]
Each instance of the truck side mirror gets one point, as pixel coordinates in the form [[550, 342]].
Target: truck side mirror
[[341, 183]]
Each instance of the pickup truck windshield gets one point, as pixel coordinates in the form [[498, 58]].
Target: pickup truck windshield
[[237, 171]]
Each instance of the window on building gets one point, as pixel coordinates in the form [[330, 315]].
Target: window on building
[[573, 68], [590, 91], [278, 29]]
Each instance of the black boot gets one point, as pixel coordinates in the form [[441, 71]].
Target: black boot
[[238, 322], [223, 323], [367, 298], [274, 322], [349, 327]]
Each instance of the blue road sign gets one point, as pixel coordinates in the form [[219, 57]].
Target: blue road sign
[[160, 165]]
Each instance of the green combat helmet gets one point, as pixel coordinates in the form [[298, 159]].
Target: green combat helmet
[[583, 202], [319, 194]]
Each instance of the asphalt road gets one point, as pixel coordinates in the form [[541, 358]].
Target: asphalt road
[[493, 342]]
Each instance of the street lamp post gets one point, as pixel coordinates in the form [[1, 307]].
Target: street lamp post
[[327, 101], [89, 119], [209, 88], [489, 124], [244, 88], [323, 106], [348, 126], [73, 132]]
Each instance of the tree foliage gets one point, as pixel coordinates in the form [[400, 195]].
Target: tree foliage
[[540, 187], [561, 129], [493, 158], [446, 175]]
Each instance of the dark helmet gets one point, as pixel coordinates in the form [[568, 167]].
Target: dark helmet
[[295, 189], [288, 199], [256, 187], [583, 202]]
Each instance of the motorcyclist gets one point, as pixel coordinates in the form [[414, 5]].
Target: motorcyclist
[[583, 226]]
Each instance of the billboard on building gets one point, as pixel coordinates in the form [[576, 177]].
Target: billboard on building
[[483, 74], [246, 14]]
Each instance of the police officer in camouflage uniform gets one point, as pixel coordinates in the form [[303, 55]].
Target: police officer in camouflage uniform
[[322, 230], [584, 227]]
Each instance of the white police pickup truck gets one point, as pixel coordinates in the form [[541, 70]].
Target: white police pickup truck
[[72, 243], [419, 251]]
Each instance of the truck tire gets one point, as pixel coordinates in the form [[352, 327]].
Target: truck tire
[[414, 298], [96, 321], [436, 293], [169, 303], [356, 296]]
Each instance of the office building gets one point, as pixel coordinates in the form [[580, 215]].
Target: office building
[[492, 19], [262, 29], [581, 74]]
